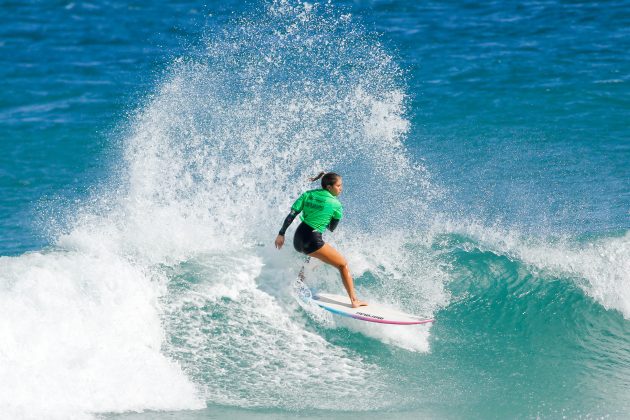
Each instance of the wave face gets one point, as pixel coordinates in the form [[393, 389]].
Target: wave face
[[553, 315], [162, 293]]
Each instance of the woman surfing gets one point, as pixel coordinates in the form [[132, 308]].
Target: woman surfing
[[320, 209]]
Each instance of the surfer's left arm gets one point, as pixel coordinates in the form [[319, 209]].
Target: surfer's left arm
[[287, 222], [296, 209]]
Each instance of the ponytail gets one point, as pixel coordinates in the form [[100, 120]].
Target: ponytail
[[315, 178], [328, 178]]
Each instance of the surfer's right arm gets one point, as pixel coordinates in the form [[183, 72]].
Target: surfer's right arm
[[333, 224]]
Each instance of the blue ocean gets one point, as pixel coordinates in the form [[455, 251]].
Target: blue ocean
[[149, 152]]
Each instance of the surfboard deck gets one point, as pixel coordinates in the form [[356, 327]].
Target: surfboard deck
[[374, 312]]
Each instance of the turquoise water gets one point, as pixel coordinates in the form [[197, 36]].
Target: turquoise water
[[150, 153]]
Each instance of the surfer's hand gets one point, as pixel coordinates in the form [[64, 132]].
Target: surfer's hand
[[279, 241]]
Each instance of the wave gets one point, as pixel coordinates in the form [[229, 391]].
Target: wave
[[599, 266], [158, 295], [164, 292], [82, 333]]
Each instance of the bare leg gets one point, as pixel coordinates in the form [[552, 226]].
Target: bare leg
[[331, 256]]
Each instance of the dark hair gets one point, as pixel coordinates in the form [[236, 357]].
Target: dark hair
[[328, 178]]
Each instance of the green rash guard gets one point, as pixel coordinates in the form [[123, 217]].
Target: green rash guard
[[318, 207]]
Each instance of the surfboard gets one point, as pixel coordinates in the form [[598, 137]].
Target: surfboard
[[374, 312]]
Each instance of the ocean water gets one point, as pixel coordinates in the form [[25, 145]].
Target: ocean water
[[149, 153]]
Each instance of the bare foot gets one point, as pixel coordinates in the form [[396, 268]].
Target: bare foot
[[357, 303]]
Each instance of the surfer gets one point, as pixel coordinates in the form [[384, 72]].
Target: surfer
[[320, 209]]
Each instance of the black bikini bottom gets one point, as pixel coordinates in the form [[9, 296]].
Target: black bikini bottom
[[307, 240]]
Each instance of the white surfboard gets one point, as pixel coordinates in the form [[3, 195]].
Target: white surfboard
[[374, 312]]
